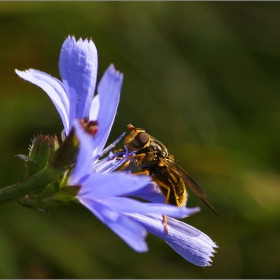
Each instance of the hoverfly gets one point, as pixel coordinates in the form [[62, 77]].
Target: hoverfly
[[155, 160]]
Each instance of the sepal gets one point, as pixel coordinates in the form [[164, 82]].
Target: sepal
[[52, 196], [49, 191], [41, 149], [30, 164], [67, 194]]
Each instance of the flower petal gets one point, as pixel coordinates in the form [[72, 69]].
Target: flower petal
[[78, 69], [192, 244], [128, 205], [94, 108], [150, 192], [127, 229], [109, 90], [98, 185], [54, 89], [83, 166]]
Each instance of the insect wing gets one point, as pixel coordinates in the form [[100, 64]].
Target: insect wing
[[189, 181], [186, 177]]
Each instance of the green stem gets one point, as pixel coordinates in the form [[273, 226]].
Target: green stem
[[28, 185], [59, 162]]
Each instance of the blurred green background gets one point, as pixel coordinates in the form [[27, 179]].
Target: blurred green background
[[204, 78]]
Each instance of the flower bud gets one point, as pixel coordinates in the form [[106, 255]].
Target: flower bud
[[41, 149]]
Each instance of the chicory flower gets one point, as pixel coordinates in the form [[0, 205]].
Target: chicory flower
[[74, 96], [105, 193]]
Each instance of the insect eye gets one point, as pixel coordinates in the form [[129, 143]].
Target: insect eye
[[141, 139]]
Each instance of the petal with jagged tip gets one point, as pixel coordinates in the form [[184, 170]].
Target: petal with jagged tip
[[109, 89], [54, 88], [192, 244], [78, 70]]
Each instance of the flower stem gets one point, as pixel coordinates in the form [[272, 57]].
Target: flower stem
[[30, 184]]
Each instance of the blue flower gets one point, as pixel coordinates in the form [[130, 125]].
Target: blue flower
[[107, 197], [74, 96], [105, 193]]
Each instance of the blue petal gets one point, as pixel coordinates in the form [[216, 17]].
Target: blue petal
[[127, 205], [100, 185], [94, 108], [55, 90], [150, 192], [109, 90], [127, 229], [192, 244], [78, 69], [83, 166]]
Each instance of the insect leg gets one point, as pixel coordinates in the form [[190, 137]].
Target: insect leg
[[125, 165], [166, 200], [133, 159], [144, 172]]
